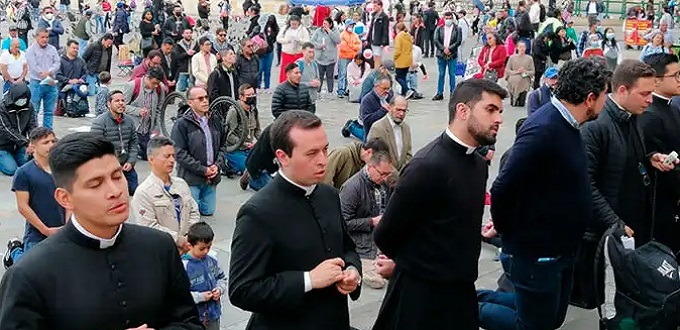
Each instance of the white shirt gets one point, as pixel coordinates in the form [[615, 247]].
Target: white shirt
[[448, 30], [535, 13], [470, 149], [15, 66], [398, 137], [592, 8], [104, 243]]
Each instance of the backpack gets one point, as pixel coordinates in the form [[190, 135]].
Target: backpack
[[641, 287], [301, 65], [523, 24], [542, 14]]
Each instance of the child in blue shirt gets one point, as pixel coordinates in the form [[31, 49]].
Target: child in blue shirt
[[208, 281], [102, 98]]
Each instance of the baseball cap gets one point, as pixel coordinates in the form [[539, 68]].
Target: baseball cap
[[349, 22], [551, 73], [389, 65], [13, 27], [88, 12]]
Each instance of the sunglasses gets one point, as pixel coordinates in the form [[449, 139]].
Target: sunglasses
[[222, 34]]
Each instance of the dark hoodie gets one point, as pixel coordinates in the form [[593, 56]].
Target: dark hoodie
[[16, 121]]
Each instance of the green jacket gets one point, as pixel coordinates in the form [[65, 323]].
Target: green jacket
[[343, 162]]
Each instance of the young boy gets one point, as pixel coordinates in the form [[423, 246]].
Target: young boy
[[208, 281], [34, 188], [103, 93]]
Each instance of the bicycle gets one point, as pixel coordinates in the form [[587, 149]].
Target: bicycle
[[173, 108]]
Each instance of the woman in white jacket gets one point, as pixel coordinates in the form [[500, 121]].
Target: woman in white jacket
[[357, 71], [291, 38], [203, 63]]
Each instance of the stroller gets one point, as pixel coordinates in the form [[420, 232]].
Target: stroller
[[73, 100]]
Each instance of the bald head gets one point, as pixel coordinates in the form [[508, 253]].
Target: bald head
[[14, 45], [398, 109]]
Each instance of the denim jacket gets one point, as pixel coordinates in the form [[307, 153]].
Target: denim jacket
[[205, 275]]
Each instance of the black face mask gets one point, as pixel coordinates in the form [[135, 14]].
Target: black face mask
[[251, 101]]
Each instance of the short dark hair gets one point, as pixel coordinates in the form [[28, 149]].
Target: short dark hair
[[242, 89], [659, 62], [39, 133], [114, 92], [203, 40], [628, 72], [104, 77], [156, 143], [581, 77], [107, 36], [220, 30], [200, 232], [280, 131], [73, 151], [154, 53], [448, 14], [307, 45], [156, 73], [71, 42], [169, 41], [470, 92], [291, 66], [376, 145]]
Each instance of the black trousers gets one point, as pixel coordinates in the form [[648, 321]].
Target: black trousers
[[429, 43]]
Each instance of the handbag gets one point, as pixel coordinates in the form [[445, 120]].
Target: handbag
[[491, 74], [566, 56], [461, 68], [146, 43]]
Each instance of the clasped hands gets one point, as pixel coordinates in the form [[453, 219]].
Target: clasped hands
[[330, 271]]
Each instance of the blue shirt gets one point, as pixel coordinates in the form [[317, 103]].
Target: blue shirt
[[175, 200], [41, 59], [40, 187], [6, 42], [205, 126]]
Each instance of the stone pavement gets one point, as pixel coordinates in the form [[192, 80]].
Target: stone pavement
[[427, 119]]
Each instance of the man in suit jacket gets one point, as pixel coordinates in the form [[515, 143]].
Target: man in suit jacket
[[293, 264], [375, 104], [166, 60], [395, 132]]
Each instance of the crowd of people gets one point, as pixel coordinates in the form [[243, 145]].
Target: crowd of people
[[125, 254]]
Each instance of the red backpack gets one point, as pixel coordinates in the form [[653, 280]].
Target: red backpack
[[138, 87]]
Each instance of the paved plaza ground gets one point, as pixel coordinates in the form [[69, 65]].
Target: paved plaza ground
[[427, 119]]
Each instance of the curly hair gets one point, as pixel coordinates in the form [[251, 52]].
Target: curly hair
[[581, 77]]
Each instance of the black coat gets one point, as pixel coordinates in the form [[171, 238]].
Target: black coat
[[105, 289], [181, 59], [220, 85], [609, 156], [280, 233], [419, 36], [167, 67], [288, 97], [557, 47], [430, 19], [660, 125], [191, 151], [15, 124], [261, 157], [379, 33], [171, 27], [93, 56], [431, 229]]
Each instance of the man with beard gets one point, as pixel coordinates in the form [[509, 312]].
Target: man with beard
[[660, 125], [432, 223], [541, 201], [176, 24], [181, 59]]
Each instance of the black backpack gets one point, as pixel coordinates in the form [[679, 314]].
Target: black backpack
[[542, 15], [641, 286], [523, 24]]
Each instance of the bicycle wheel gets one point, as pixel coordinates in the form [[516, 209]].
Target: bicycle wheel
[[170, 111], [226, 107]]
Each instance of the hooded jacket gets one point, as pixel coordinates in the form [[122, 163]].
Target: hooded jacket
[[16, 121]]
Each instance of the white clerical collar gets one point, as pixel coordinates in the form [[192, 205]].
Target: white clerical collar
[[103, 242], [308, 189], [459, 141], [661, 96]]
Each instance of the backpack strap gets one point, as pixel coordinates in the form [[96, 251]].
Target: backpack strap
[[301, 65], [136, 89]]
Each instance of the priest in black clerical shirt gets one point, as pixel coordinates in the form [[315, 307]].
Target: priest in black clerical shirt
[[293, 264], [97, 272], [432, 223]]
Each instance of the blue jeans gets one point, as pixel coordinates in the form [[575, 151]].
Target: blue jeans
[[92, 82], [183, 82], [132, 180], [45, 95], [258, 182], [412, 80], [9, 163], [265, 72], [82, 45], [205, 196], [100, 24], [443, 65], [496, 310], [6, 86], [18, 253], [236, 160], [542, 290], [342, 75], [357, 130]]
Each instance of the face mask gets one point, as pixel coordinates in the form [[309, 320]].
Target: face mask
[[598, 29], [448, 22], [611, 36], [49, 16], [251, 101], [21, 102], [595, 44]]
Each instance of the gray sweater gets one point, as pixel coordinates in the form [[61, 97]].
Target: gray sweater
[[123, 136], [148, 123], [326, 46]]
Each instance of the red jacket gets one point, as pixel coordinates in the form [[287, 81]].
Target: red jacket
[[497, 61], [320, 14]]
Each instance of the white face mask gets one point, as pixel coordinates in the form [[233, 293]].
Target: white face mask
[[49, 17], [21, 102]]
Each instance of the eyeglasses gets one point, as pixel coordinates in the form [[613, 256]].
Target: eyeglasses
[[200, 98], [382, 174], [676, 75], [222, 34]]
